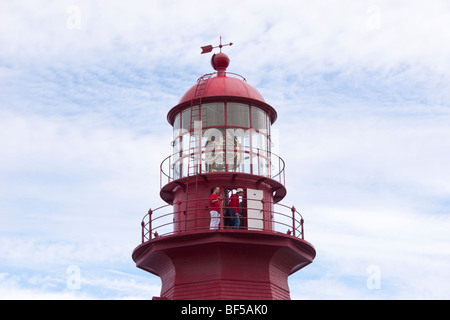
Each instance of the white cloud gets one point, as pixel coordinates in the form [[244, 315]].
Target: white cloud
[[62, 170], [362, 93], [327, 288], [93, 286], [373, 188]]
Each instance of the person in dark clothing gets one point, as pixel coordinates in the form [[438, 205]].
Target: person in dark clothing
[[234, 208]]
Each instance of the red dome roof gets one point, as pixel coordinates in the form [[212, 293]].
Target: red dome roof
[[222, 86]]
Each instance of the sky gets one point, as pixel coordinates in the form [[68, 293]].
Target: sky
[[362, 91]]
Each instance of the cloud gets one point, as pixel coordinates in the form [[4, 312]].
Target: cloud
[[409, 250], [361, 89], [327, 288], [372, 185], [94, 285], [10, 289], [72, 167]]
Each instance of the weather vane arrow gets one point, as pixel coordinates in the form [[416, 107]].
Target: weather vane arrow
[[207, 49]]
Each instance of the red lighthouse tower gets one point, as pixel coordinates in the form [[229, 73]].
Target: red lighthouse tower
[[223, 233]]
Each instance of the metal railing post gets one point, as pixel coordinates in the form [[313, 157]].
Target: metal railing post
[[303, 232], [293, 220], [264, 220], [221, 223], [150, 224]]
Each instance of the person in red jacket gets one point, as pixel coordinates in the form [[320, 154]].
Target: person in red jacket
[[215, 202], [234, 208]]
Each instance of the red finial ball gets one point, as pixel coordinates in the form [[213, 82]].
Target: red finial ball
[[220, 61]]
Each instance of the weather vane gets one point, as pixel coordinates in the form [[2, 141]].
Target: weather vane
[[207, 49]]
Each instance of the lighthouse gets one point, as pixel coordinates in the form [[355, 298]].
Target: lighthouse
[[223, 232]]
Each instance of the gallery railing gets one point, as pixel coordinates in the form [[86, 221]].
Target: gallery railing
[[244, 160], [163, 221]]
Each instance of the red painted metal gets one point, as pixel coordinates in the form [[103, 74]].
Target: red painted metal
[[250, 260], [209, 48], [167, 222], [224, 265], [224, 86]]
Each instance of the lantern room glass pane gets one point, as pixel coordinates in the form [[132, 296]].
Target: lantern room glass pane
[[235, 149], [213, 151], [213, 115], [195, 114], [238, 114], [185, 141], [186, 119], [259, 119], [176, 123]]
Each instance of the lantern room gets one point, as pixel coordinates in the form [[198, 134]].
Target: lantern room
[[221, 137], [223, 124]]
